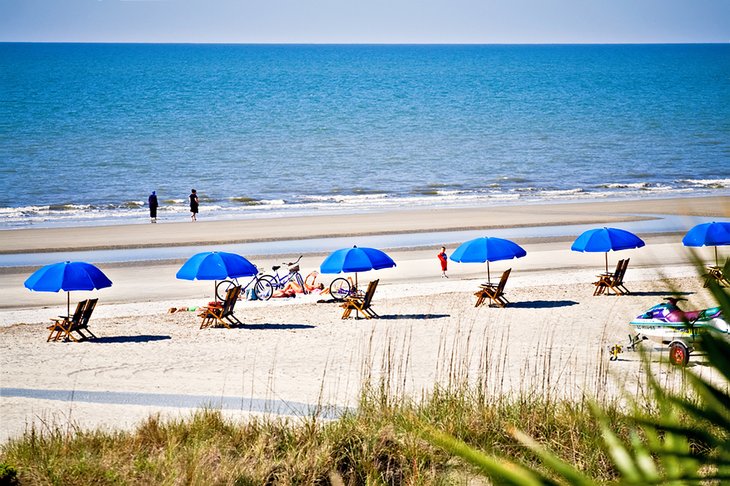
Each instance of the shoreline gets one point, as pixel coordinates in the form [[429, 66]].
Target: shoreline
[[395, 222]]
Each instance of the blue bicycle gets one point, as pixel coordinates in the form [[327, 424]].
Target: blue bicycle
[[278, 282], [261, 287]]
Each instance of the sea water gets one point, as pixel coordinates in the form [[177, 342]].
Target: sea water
[[87, 131]]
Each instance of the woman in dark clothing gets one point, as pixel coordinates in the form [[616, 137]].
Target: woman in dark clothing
[[152, 201], [194, 205]]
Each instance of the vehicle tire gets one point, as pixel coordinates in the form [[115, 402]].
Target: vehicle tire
[[678, 354], [339, 288], [267, 286], [221, 289], [263, 289]]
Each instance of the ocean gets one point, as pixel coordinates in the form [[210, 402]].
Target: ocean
[[87, 131]]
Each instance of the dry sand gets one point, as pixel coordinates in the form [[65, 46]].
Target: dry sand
[[294, 354]]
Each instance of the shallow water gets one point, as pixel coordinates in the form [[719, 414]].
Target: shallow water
[[661, 224]]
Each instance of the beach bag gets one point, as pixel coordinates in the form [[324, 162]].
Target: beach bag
[[251, 294]]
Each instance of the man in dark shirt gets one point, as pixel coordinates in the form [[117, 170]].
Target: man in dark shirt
[[194, 205], [152, 201]]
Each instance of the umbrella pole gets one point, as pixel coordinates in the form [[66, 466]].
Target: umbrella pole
[[215, 284], [68, 303], [716, 262], [606, 262], [355, 281], [489, 277]]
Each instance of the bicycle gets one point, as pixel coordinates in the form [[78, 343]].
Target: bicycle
[[342, 287], [278, 282], [262, 288]]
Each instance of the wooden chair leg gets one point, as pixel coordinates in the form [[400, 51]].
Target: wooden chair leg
[[480, 299]]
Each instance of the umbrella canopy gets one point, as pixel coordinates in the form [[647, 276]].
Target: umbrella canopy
[[67, 276], [708, 234], [603, 240], [347, 260], [216, 265], [486, 249]]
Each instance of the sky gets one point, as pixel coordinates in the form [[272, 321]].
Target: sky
[[366, 21]]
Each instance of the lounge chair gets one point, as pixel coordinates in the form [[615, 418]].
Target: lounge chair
[[619, 284], [223, 314], [495, 293], [361, 303], [721, 275], [83, 324], [603, 279], [615, 281], [61, 325]]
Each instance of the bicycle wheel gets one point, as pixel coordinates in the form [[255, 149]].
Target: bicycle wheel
[[339, 288], [221, 289], [263, 288], [300, 281], [273, 281]]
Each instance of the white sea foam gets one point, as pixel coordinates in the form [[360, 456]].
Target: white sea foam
[[708, 183], [623, 185], [130, 212]]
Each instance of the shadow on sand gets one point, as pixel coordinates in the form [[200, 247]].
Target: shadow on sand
[[393, 317], [665, 293], [542, 304], [129, 339], [276, 326]]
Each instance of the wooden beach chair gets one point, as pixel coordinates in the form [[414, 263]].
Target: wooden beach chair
[[719, 274], [495, 293], [83, 324], [361, 304], [605, 280], [59, 326], [619, 283], [615, 281], [222, 315]]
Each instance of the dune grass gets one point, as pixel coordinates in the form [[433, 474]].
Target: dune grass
[[370, 445]]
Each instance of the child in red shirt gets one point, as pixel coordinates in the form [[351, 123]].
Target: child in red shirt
[[442, 258]]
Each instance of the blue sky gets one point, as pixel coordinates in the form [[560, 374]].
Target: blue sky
[[366, 21]]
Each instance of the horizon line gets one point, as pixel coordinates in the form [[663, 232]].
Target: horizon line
[[371, 43]]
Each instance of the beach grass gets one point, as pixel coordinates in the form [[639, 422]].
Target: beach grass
[[370, 445], [375, 443]]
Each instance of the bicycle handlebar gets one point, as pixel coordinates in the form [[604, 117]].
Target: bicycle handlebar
[[294, 263]]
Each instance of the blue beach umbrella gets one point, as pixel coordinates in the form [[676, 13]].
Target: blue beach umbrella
[[603, 240], [347, 260], [216, 265], [67, 276], [708, 234], [486, 249]]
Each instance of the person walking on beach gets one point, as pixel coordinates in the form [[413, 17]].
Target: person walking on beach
[[194, 205], [444, 262], [152, 201]]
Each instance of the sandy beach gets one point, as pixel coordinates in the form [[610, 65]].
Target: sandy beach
[[296, 354]]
